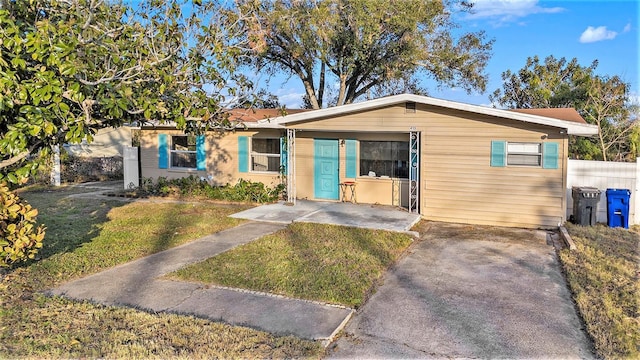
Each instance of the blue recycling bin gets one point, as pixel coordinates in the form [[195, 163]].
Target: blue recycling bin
[[618, 207]]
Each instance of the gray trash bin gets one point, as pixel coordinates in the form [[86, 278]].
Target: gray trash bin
[[585, 205]]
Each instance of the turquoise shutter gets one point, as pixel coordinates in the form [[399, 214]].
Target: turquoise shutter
[[201, 153], [243, 154], [498, 153], [163, 151], [549, 155], [351, 159], [284, 153]]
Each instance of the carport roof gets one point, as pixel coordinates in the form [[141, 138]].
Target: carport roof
[[557, 118]]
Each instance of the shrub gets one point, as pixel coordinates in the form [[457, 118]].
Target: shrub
[[20, 239], [192, 186]]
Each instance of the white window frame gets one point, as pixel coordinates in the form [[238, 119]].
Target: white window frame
[[521, 148], [253, 154], [193, 152]]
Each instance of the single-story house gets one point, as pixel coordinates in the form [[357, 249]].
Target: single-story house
[[107, 142], [446, 160]]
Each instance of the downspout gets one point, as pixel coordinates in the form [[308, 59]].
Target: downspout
[[565, 165]]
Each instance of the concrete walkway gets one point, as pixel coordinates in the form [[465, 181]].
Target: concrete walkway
[[336, 213], [136, 284], [458, 293]]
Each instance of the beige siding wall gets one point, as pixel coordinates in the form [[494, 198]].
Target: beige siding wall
[[222, 158], [106, 142], [457, 182], [304, 167]]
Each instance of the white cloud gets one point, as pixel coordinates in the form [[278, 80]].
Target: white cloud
[[597, 34], [627, 28], [292, 100], [501, 12]]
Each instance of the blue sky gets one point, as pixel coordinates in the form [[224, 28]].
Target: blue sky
[[606, 31]]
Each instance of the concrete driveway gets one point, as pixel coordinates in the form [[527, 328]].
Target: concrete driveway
[[469, 292]]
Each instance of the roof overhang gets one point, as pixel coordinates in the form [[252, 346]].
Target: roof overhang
[[260, 124], [571, 127]]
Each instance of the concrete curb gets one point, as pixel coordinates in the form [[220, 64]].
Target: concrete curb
[[278, 296], [566, 238], [328, 341]]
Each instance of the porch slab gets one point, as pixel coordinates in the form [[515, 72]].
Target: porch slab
[[368, 216]]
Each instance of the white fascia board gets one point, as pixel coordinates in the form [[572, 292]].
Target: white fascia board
[[262, 124], [570, 127]]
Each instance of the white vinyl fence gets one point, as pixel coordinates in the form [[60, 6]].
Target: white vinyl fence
[[605, 175]]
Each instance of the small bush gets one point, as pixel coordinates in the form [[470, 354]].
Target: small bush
[[20, 240], [192, 186]]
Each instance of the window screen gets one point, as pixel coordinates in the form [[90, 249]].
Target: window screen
[[265, 155], [384, 158], [183, 151], [525, 154]]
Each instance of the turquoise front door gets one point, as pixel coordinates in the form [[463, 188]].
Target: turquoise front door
[[325, 176]]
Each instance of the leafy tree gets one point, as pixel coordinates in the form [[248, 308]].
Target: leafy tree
[[362, 44], [552, 84], [262, 99], [601, 100], [607, 106], [70, 67]]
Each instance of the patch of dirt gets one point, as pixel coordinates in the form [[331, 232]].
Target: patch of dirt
[[437, 230]]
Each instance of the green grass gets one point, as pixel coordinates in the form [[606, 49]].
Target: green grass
[[327, 263], [88, 235], [603, 273]]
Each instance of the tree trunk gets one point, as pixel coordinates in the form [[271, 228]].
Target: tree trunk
[[320, 99], [311, 93], [342, 93], [601, 141]]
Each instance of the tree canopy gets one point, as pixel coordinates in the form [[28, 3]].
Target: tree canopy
[[262, 99], [70, 67], [363, 45], [601, 100]]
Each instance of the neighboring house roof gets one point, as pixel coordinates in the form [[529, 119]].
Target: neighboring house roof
[[256, 115], [251, 118], [554, 118]]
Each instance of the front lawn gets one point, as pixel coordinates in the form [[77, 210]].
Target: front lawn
[[328, 263], [88, 235], [604, 276]]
